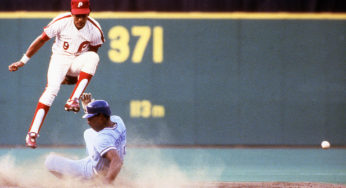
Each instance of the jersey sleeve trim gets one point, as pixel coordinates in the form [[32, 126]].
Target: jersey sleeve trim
[[44, 36], [107, 149], [96, 45], [67, 16], [102, 37]]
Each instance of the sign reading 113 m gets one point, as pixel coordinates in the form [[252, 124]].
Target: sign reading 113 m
[[120, 37], [145, 109]]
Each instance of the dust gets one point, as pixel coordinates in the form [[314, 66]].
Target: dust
[[154, 172], [143, 167], [155, 168], [25, 175]]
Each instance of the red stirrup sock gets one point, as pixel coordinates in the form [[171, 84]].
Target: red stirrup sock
[[83, 81], [39, 116]]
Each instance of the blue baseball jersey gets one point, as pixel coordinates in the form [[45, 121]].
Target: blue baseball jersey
[[109, 138]]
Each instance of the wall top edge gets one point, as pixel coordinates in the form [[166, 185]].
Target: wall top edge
[[179, 15]]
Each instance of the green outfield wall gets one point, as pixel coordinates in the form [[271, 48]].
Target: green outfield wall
[[191, 79]]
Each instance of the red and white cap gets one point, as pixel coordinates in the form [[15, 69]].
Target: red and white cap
[[80, 7]]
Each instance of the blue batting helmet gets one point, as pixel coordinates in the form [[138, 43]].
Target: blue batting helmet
[[97, 107]]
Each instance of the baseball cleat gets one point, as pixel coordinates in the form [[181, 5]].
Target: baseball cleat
[[31, 140], [72, 105]]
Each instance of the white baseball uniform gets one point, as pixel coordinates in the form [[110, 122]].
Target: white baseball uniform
[[97, 145], [70, 56], [70, 52]]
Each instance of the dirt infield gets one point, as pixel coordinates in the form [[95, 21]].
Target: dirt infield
[[155, 172], [246, 185], [267, 185], [189, 185]]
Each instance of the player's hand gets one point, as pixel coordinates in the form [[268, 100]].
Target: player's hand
[[86, 98], [15, 66]]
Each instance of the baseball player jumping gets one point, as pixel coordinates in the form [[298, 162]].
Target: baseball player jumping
[[74, 60]]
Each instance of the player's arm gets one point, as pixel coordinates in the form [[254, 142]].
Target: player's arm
[[33, 48], [114, 167]]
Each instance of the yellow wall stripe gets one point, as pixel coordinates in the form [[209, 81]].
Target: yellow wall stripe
[[189, 15]]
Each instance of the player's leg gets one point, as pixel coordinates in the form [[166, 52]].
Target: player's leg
[[61, 166], [36, 123], [57, 70], [85, 65]]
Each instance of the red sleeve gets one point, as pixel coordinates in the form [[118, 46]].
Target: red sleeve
[[44, 36]]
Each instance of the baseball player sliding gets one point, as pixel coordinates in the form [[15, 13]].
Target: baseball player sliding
[[74, 60], [105, 143]]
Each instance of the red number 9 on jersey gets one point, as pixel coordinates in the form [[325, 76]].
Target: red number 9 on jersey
[[66, 45]]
